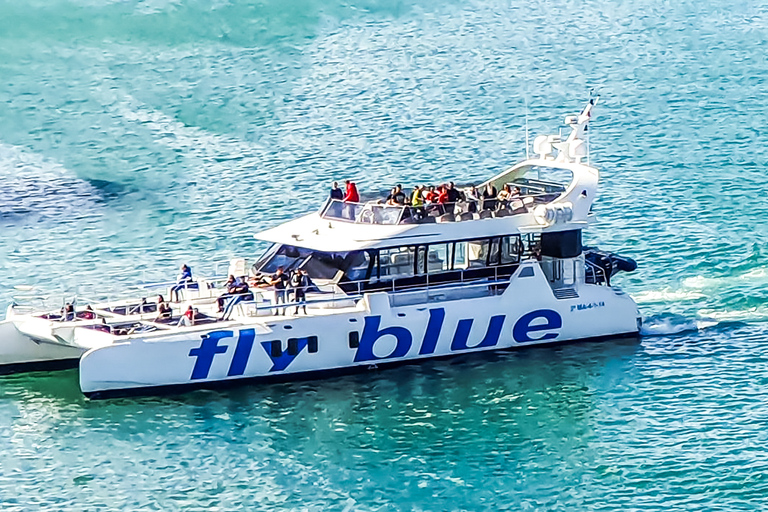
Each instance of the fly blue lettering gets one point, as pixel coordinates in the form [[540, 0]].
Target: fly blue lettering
[[539, 325]]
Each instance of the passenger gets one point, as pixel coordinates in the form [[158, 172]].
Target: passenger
[[430, 196], [238, 292], [399, 195], [350, 198], [88, 314], [417, 196], [163, 309], [417, 201], [351, 195], [279, 281], [188, 318], [336, 192], [67, 313], [454, 195], [182, 282], [230, 286], [391, 201], [472, 198], [489, 197], [442, 199], [299, 284], [504, 197]]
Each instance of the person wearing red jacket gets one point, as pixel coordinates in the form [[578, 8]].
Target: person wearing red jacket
[[351, 196]]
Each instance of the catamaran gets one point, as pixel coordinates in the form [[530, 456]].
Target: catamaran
[[390, 284]]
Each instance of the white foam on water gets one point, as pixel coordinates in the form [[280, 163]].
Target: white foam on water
[[669, 326], [667, 295]]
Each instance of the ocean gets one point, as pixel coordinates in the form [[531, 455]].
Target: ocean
[[137, 135]]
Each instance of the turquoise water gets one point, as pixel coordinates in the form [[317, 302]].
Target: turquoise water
[[137, 135]]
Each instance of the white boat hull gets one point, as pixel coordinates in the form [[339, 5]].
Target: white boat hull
[[19, 351], [373, 333]]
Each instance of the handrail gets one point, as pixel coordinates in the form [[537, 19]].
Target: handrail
[[374, 212], [596, 270]]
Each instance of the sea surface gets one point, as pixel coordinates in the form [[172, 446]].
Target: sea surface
[[139, 135]]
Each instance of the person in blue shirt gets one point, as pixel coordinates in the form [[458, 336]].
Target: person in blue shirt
[[182, 282], [336, 192]]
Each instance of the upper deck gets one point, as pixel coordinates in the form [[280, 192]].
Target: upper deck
[[542, 205], [554, 192]]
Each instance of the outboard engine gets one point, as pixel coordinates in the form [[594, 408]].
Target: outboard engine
[[608, 262]]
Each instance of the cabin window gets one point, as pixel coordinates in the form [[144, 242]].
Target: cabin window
[[477, 253], [438, 259], [286, 256], [358, 263], [493, 252], [319, 265], [563, 244], [460, 260], [396, 262], [470, 254], [511, 248]]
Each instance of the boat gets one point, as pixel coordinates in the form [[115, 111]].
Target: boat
[[385, 284]]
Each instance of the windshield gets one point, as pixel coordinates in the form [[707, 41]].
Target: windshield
[[319, 265]]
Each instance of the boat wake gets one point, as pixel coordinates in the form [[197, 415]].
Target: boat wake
[[667, 325]]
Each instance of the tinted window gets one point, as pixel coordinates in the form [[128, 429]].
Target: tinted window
[[564, 244]]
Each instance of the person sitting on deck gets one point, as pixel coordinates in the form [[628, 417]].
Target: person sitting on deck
[[238, 291], [504, 196], [67, 313], [163, 309], [188, 318], [230, 286], [88, 314], [182, 282]]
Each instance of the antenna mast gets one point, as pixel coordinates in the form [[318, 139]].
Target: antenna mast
[[527, 145]]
